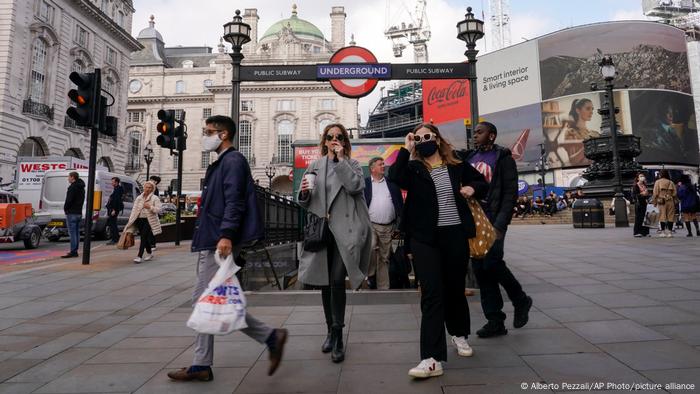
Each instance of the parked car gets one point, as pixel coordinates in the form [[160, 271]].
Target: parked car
[[167, 208], [17, 222], [53, 195]]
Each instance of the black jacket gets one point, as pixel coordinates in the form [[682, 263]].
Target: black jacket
[[420, 213], [394, 190], [503, 190], [116, 202], [75, 197]]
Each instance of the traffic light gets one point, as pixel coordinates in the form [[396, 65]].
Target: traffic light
[[181, 133], [86, 98], [166, 129], [108, 124]]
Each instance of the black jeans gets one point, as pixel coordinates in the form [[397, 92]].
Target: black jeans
[[112, 223], [146, 234], [491, 272], [441, 268], [640, 210], [333, 295]]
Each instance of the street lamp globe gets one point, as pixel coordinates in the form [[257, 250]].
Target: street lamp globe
[[236, 32], [470, 30], [607, 68]]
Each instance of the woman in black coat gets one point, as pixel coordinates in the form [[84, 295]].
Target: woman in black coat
[[438, 219]]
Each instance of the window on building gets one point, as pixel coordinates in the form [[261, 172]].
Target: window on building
[[179, 113], [245, 139], [206, 112], [175, 159], [133, 158], [78, 66], [317, 50], [82, 36], [38, 71], [322, 124], [104, 6], [285, 134], [46, 12], [111, 57], [207, 83], [247, 106], [120, 18], [285, 105], [326, 104], [136, 116], [188, 64], [206, 160], [180, 87], [31, 147]]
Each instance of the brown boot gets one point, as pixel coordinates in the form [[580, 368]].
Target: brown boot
[[277, 350], [184, 374]]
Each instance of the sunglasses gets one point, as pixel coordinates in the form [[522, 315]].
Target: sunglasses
[[424, 137], [339, 137]]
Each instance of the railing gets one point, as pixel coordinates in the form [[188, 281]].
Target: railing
[[391, 123], [37, 109], [68, 122], [283, 218]]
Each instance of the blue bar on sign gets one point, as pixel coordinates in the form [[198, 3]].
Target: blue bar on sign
[[354, 71]]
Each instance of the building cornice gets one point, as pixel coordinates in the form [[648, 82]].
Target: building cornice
[[273, 88], [170, 99], [92, 11]]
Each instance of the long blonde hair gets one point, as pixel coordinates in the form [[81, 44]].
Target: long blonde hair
[[445, 148]]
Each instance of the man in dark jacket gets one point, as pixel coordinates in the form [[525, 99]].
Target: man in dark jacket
[[385, 203], [73, 208], [228, 219], [114, 206], [497, 165]]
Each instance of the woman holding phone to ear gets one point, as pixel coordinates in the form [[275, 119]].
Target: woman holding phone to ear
[[438, 219], [332, 188]]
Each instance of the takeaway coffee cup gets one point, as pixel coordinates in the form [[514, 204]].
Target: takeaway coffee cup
[[311, 179]]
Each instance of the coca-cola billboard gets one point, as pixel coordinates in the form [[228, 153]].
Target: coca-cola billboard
[[445, 100]]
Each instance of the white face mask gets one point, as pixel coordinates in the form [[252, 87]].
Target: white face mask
[[642, 179], [211, 143]]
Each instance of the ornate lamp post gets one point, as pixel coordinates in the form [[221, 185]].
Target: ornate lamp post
[[542, 167], [148, 156], [470, 30], [270, 172], [237, 34]]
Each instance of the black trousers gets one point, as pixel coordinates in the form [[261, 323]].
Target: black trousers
[[441, 268], [640, 209], [491, 272], [112, 223], [146, 234], [333, 295]]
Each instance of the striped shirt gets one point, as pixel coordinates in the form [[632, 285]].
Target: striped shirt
[[447, 207]]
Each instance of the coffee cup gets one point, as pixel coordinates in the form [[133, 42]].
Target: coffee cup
[[310, 179]]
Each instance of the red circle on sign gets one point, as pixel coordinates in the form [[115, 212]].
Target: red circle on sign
[[291, 175], [353, 88]]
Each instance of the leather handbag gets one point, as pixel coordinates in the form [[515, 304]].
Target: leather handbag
[[316, 233], [126, 240], [485, 237]]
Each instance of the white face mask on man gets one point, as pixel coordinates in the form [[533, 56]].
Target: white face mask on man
[[211, 143]]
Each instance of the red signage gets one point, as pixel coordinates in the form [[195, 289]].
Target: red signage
[[353, 88], [305, 155], [445, 100]]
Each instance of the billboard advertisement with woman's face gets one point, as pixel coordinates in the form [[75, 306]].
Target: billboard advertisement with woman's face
[[568, 121], [665, 121], [647, 55]]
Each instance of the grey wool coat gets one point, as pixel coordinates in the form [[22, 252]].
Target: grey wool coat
[[348, 219]]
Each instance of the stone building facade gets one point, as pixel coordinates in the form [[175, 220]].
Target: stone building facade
[[197, 80], [43, 41]]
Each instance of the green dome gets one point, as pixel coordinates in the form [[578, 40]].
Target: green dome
[[298, 26]]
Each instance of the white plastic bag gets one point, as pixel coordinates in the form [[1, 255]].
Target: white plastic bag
[[651, 217], [221, 308]]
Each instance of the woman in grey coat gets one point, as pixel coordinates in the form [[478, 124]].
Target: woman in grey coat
[[336, 193]]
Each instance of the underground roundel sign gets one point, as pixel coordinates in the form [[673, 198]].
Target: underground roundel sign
[[352, 88]]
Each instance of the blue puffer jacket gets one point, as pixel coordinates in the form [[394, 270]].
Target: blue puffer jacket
[[228, 207]]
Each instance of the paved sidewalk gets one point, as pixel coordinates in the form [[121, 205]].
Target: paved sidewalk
[[608, 308]]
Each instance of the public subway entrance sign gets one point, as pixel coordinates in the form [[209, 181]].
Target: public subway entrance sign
[[353, 72]]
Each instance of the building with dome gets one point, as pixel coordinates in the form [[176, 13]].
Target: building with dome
[[197, 80], [43, 42]]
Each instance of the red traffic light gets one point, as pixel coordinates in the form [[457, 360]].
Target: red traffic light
[[86, 98]]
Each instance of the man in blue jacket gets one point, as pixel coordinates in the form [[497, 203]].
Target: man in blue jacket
[[385, 204], [114, 206], [228, 219]]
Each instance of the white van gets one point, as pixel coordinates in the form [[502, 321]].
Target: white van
[[53, 195]]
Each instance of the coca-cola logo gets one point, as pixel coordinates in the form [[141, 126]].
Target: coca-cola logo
[[455, 91]]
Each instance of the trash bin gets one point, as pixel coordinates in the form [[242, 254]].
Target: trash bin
[[588, 213]]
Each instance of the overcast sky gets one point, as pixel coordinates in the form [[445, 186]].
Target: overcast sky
[[200, 22]]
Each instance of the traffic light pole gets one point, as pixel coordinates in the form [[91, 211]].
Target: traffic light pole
[[91, 171], [178, 228]]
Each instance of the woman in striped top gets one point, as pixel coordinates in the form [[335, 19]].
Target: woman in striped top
[[438, 222]]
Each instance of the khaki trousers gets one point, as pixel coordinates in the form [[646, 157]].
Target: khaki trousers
[[379, 259]]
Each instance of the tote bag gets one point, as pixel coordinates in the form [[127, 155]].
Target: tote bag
[[485, 237]]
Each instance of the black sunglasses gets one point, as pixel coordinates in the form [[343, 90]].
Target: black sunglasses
[[339, 137]]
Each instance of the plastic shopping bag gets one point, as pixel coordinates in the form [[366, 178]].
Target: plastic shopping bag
[[651, 217], [221, 308]]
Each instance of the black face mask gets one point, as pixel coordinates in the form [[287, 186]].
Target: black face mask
[[427, 149]]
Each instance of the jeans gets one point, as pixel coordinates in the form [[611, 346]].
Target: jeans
[[73, 224]]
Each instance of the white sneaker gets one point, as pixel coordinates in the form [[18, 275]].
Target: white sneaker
[[427, 368], [153, 247], [463, 348], [148, 257], [137, 260]]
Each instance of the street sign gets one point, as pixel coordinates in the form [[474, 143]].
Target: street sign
[[353, 88], [279, 73], [429, 71], [353, 71]]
